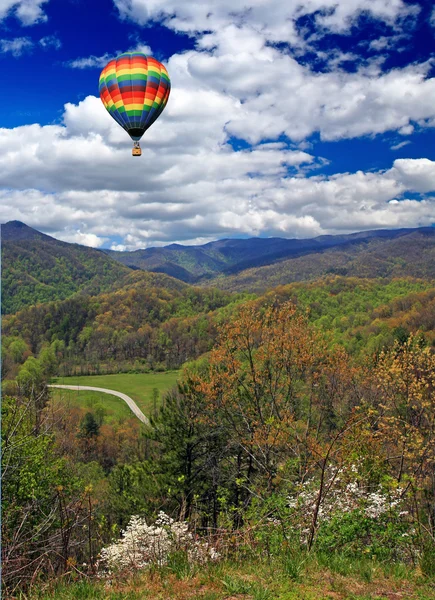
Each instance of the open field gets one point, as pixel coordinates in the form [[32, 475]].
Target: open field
[[138, 386], [114, 408]]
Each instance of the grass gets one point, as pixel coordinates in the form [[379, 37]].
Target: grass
[[138, 386], [247, 580], [114, 408]]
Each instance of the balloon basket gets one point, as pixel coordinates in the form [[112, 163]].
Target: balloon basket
[[136, 151]]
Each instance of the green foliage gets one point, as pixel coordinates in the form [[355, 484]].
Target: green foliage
[[35, 271], [427, 560], [132, 488], [33, 479], [186, 448], [236, 585], [180, 566], [385, 537], [365, 315], [89, 426], [156, 321]]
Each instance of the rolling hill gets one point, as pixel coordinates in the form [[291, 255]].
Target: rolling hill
[[39, 268]]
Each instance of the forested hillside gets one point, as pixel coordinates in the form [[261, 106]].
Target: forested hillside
[[37, 268], [153, 322], [159, 322]]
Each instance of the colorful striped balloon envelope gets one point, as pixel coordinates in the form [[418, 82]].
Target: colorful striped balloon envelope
[[134, 88]]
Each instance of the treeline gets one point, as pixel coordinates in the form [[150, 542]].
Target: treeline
[[145, 327], [139, 326], [273, 432]]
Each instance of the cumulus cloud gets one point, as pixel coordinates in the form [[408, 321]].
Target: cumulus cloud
[[417, 174], [238, 88], [276, 19], [190, 191], [337, 104], [237, 57], [28, 12]]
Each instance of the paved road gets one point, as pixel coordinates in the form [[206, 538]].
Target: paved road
[[131, 403]]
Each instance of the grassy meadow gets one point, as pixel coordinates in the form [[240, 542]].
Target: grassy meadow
[[139, 386], [277, 578]]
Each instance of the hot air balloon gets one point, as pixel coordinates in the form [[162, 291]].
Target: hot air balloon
[[134, 88]]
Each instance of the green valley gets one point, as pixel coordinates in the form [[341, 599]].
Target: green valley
[[146, 389], [292, 407]]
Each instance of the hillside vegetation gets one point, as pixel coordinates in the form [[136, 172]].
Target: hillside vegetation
[[295, 457], [38, 269], [147, 325], [277, 451], [154, 322]]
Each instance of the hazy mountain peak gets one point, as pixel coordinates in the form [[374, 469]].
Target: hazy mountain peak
[[17, 231]]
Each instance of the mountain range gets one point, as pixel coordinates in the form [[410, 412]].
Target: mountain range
[[197, 264], [38, 268]]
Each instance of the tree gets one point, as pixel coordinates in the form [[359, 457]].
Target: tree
[[189, 452]]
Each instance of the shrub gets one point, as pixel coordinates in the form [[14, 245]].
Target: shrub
[[142, 545]]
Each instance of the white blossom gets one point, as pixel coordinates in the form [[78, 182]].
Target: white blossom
[[141, 545]]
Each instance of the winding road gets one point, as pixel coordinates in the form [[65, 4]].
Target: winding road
[[131, 403]]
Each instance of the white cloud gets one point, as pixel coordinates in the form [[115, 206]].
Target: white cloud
[[190, 185], [417, 174], [400, 145], [24, 45], [273, 94], [91, 62], [78, 237], [28, 12], [406, 130], [237, 57], [274, 18], [50, 41], [16, 46]]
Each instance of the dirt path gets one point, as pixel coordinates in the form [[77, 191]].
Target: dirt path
[[131, 403]]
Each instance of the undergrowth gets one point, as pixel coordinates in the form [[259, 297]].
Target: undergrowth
[[290, 576]]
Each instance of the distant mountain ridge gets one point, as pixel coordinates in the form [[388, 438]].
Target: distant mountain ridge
[[408, 255], [39, 268], [194, 264]]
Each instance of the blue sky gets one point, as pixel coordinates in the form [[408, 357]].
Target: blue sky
[[284, 119]]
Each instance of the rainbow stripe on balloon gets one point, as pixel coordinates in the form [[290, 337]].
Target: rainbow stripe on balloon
[[134, 88]]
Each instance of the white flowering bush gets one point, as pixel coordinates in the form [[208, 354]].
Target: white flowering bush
[[142, 545], [352, 516]]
